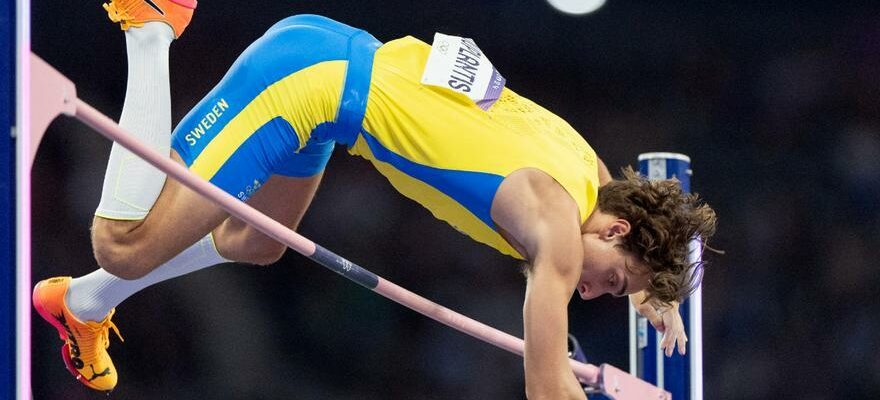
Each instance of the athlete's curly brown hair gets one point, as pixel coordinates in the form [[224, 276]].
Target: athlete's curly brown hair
[[663, 220]]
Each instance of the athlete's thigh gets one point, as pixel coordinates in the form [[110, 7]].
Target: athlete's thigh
[[284, 199], [178, 219]]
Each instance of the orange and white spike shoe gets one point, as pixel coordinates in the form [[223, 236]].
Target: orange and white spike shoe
[[85, 343], [134, 13]]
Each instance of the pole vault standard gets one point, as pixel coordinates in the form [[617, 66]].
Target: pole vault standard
[[54, 94], [681, 375]]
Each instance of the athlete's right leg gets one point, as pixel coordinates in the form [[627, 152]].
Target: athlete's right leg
[[284, 199]]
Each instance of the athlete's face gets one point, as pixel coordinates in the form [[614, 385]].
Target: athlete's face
[[607, 268]]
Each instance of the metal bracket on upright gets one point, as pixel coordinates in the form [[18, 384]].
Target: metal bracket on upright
[[614, 383]]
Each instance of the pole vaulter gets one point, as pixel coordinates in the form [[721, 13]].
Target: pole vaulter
[[53, 94]]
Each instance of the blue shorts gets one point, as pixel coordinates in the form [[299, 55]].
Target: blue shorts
[[281, 107]]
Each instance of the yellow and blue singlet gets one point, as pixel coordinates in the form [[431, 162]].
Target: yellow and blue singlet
[[310, 82]]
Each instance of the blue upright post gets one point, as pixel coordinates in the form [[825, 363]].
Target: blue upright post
[[7, 204], [680, 375]]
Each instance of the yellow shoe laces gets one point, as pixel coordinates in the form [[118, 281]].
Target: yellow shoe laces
[[105, 332], [123, 17], [102, 329]]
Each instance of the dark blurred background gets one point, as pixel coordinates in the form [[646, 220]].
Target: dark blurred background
[[776, 102]]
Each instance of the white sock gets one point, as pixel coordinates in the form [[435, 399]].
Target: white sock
[[131, 185], [92, 296]]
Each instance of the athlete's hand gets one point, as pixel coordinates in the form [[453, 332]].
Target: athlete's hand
[[668, 321], [673, 331]]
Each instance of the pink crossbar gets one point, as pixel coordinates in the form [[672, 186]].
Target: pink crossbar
[[615, 383]]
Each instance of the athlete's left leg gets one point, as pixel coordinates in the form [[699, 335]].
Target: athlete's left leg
[[180, 217], [92, 298], [137, 238], [284, 199], [131, 186]]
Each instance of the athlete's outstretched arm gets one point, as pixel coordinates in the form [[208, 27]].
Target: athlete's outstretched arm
[[541, 220]]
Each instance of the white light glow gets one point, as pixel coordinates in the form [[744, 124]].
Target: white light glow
[[577, 7]]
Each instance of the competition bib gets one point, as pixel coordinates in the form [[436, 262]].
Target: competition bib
[[457, 63]]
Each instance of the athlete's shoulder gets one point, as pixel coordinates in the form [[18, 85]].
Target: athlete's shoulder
[[533, 209], [538, 188]]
